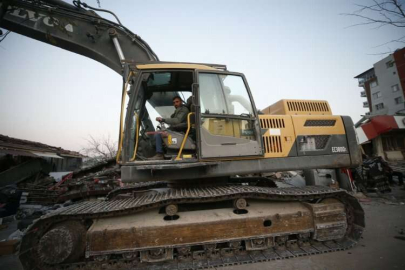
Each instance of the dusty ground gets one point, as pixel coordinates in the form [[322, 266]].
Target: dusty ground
[[382, 246]]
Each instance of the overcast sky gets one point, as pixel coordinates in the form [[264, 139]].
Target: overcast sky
[[287, 50]]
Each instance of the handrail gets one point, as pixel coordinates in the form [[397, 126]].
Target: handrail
[[136, 138], [185, 136], [124, 94]]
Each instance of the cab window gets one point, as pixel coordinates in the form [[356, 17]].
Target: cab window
[[224, 94]]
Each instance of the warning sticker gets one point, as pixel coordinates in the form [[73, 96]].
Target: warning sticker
[[275, 131]]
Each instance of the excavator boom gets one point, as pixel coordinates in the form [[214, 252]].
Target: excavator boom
[[75, 29]]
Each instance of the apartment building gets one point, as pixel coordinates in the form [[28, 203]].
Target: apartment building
[[381, 132], [383, 85]]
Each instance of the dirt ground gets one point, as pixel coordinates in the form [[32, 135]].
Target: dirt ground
[[382, 246]]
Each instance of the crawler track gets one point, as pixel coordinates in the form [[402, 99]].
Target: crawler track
[[92, 210]]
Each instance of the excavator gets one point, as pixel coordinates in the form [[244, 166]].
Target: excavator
[[209, 202]]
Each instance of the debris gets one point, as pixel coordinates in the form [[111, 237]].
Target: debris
[[8, 247], [17, 235], [293, 173], [23, 224], [371, 176], [391, 203], [9, 200], [95, 181], [295, 180], [361, 196]]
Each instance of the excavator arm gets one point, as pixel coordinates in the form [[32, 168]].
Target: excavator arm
[[76, 29]]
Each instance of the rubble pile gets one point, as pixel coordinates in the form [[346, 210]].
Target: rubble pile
[[38, 193], [378, 175], [42, 188], [288, 178], [370, 176]]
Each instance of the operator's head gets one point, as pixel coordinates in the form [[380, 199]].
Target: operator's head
[[177, 101]]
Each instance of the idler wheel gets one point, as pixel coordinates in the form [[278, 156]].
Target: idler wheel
[[240, 204], [65, 242], [171, 209]]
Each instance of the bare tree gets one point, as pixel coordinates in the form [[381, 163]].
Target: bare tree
[[101, 149], [382, 13]]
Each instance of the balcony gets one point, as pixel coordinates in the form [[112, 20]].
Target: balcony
[[363, 94], [365, 104], [366, 78]]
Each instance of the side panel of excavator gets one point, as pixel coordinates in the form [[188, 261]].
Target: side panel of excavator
[[313, 128], [290, 136], [305, 136]]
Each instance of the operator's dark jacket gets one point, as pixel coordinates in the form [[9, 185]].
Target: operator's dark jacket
[[179, 116]]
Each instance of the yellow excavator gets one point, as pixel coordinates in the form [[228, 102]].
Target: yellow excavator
[[208, 202]]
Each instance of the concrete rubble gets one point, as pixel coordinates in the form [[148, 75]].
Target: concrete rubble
[[38, 194]]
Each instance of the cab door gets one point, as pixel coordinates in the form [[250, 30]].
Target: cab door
[[228, 122]]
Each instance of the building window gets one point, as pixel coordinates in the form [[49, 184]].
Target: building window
[[399, 100], [379, 106], [373, 84], [377, 95], [395, 88], [390, 64]]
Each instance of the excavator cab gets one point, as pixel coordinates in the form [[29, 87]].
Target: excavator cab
[[222, 121], [223, 134]]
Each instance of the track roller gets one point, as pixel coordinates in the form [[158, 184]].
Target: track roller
[[240, 204], [171, 209]]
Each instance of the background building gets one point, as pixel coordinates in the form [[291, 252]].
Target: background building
[[384, 84], [381, 132], [15, 151]]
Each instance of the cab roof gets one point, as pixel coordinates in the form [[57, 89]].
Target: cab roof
[[169, 65]]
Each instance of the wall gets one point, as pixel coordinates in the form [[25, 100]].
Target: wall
[[386, 77], [399, 57], [378, 147]]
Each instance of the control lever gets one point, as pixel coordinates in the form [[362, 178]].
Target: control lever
[[162, 126]]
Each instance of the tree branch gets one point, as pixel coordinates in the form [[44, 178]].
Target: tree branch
[[381, 13], [100, 149], [384, 15]]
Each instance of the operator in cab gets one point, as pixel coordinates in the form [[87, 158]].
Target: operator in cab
[[179, 116]]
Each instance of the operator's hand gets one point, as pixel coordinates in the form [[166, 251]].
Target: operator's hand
[[159, 119]]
